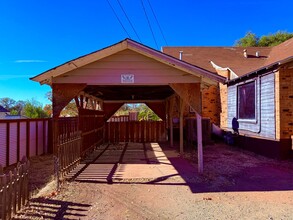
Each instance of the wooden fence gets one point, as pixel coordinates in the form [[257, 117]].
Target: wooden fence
[[23, 137], [75, 137], [135, 131], [91, 125], [14, 191], [67, 143]]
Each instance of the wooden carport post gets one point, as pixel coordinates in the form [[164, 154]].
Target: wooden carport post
[[181, 124], [171, 108], [191, 94], [62, 94]]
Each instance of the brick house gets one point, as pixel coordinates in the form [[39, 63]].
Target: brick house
[[258, 92]]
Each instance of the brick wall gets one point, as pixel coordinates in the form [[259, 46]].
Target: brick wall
[[211, 105], [284, 101], [224, 106]]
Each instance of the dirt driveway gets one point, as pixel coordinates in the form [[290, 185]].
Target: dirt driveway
[[152, 181]]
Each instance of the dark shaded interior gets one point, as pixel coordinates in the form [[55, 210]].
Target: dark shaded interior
[[130, 92]]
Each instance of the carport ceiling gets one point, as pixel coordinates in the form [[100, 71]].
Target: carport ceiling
[[131, 93]]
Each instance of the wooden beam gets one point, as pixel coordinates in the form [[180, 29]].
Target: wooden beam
[[190, 93], [181, 108], [110, 108], [158, 108], [171, 108], [199, 143], [63, 94]]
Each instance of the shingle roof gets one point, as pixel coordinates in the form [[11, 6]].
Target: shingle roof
[[281, 52], [233, 57], [2, 109]]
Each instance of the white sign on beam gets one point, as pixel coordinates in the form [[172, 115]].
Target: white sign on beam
[[127, 78]]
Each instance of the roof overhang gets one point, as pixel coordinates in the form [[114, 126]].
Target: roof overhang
[[266, 69]]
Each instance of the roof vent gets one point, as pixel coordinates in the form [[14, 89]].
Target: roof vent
[[257, 53], [245, 53], [180, 54]]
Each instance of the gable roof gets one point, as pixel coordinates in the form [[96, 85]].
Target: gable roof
[[2, 109], [233, 58], [46, 77]]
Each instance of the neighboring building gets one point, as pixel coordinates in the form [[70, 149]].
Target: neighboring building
[[3, 112], [259, 92]]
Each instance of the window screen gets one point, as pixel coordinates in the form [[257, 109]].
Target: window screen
[[246, 101]]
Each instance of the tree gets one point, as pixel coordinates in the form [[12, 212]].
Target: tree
[[251, 40], [17, 108], [48, 109], [274, 39], [7, 103], [49, 96], [70, 110], [145, 113], [33, 109]]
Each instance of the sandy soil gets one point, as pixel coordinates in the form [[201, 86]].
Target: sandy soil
[[236, 184]]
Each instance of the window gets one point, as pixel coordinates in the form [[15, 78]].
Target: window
[[246, 101]]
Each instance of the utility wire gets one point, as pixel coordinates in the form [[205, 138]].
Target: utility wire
[[157, 22], [118, 19], [149, 23], [128, 20]]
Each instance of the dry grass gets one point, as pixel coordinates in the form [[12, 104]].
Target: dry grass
[[41, 172]]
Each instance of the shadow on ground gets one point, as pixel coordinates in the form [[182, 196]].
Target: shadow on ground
[[226, 169], [41, 208]]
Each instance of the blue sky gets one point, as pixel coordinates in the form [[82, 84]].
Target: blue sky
[[38, 35]]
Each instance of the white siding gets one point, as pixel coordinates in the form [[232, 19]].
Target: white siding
[[264, 125]]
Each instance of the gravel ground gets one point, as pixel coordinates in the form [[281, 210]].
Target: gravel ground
[[236, 184]]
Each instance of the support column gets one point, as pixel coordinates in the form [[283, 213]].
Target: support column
[[171, 108], [181, 106], [199, 143]]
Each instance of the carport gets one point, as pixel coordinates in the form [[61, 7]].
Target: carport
[[126, 72]]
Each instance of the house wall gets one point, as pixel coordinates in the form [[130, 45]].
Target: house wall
[[284, 103], [211, 106], [264, 125]]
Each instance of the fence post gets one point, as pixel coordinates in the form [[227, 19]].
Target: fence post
[[2, 194], [56, 172]]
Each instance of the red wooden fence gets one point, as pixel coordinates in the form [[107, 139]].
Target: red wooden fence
[[135, 131], [23, 137]]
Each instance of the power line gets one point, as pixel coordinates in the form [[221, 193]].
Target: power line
[[157, 22], [128, 20], [149, 23], [118, 19]]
